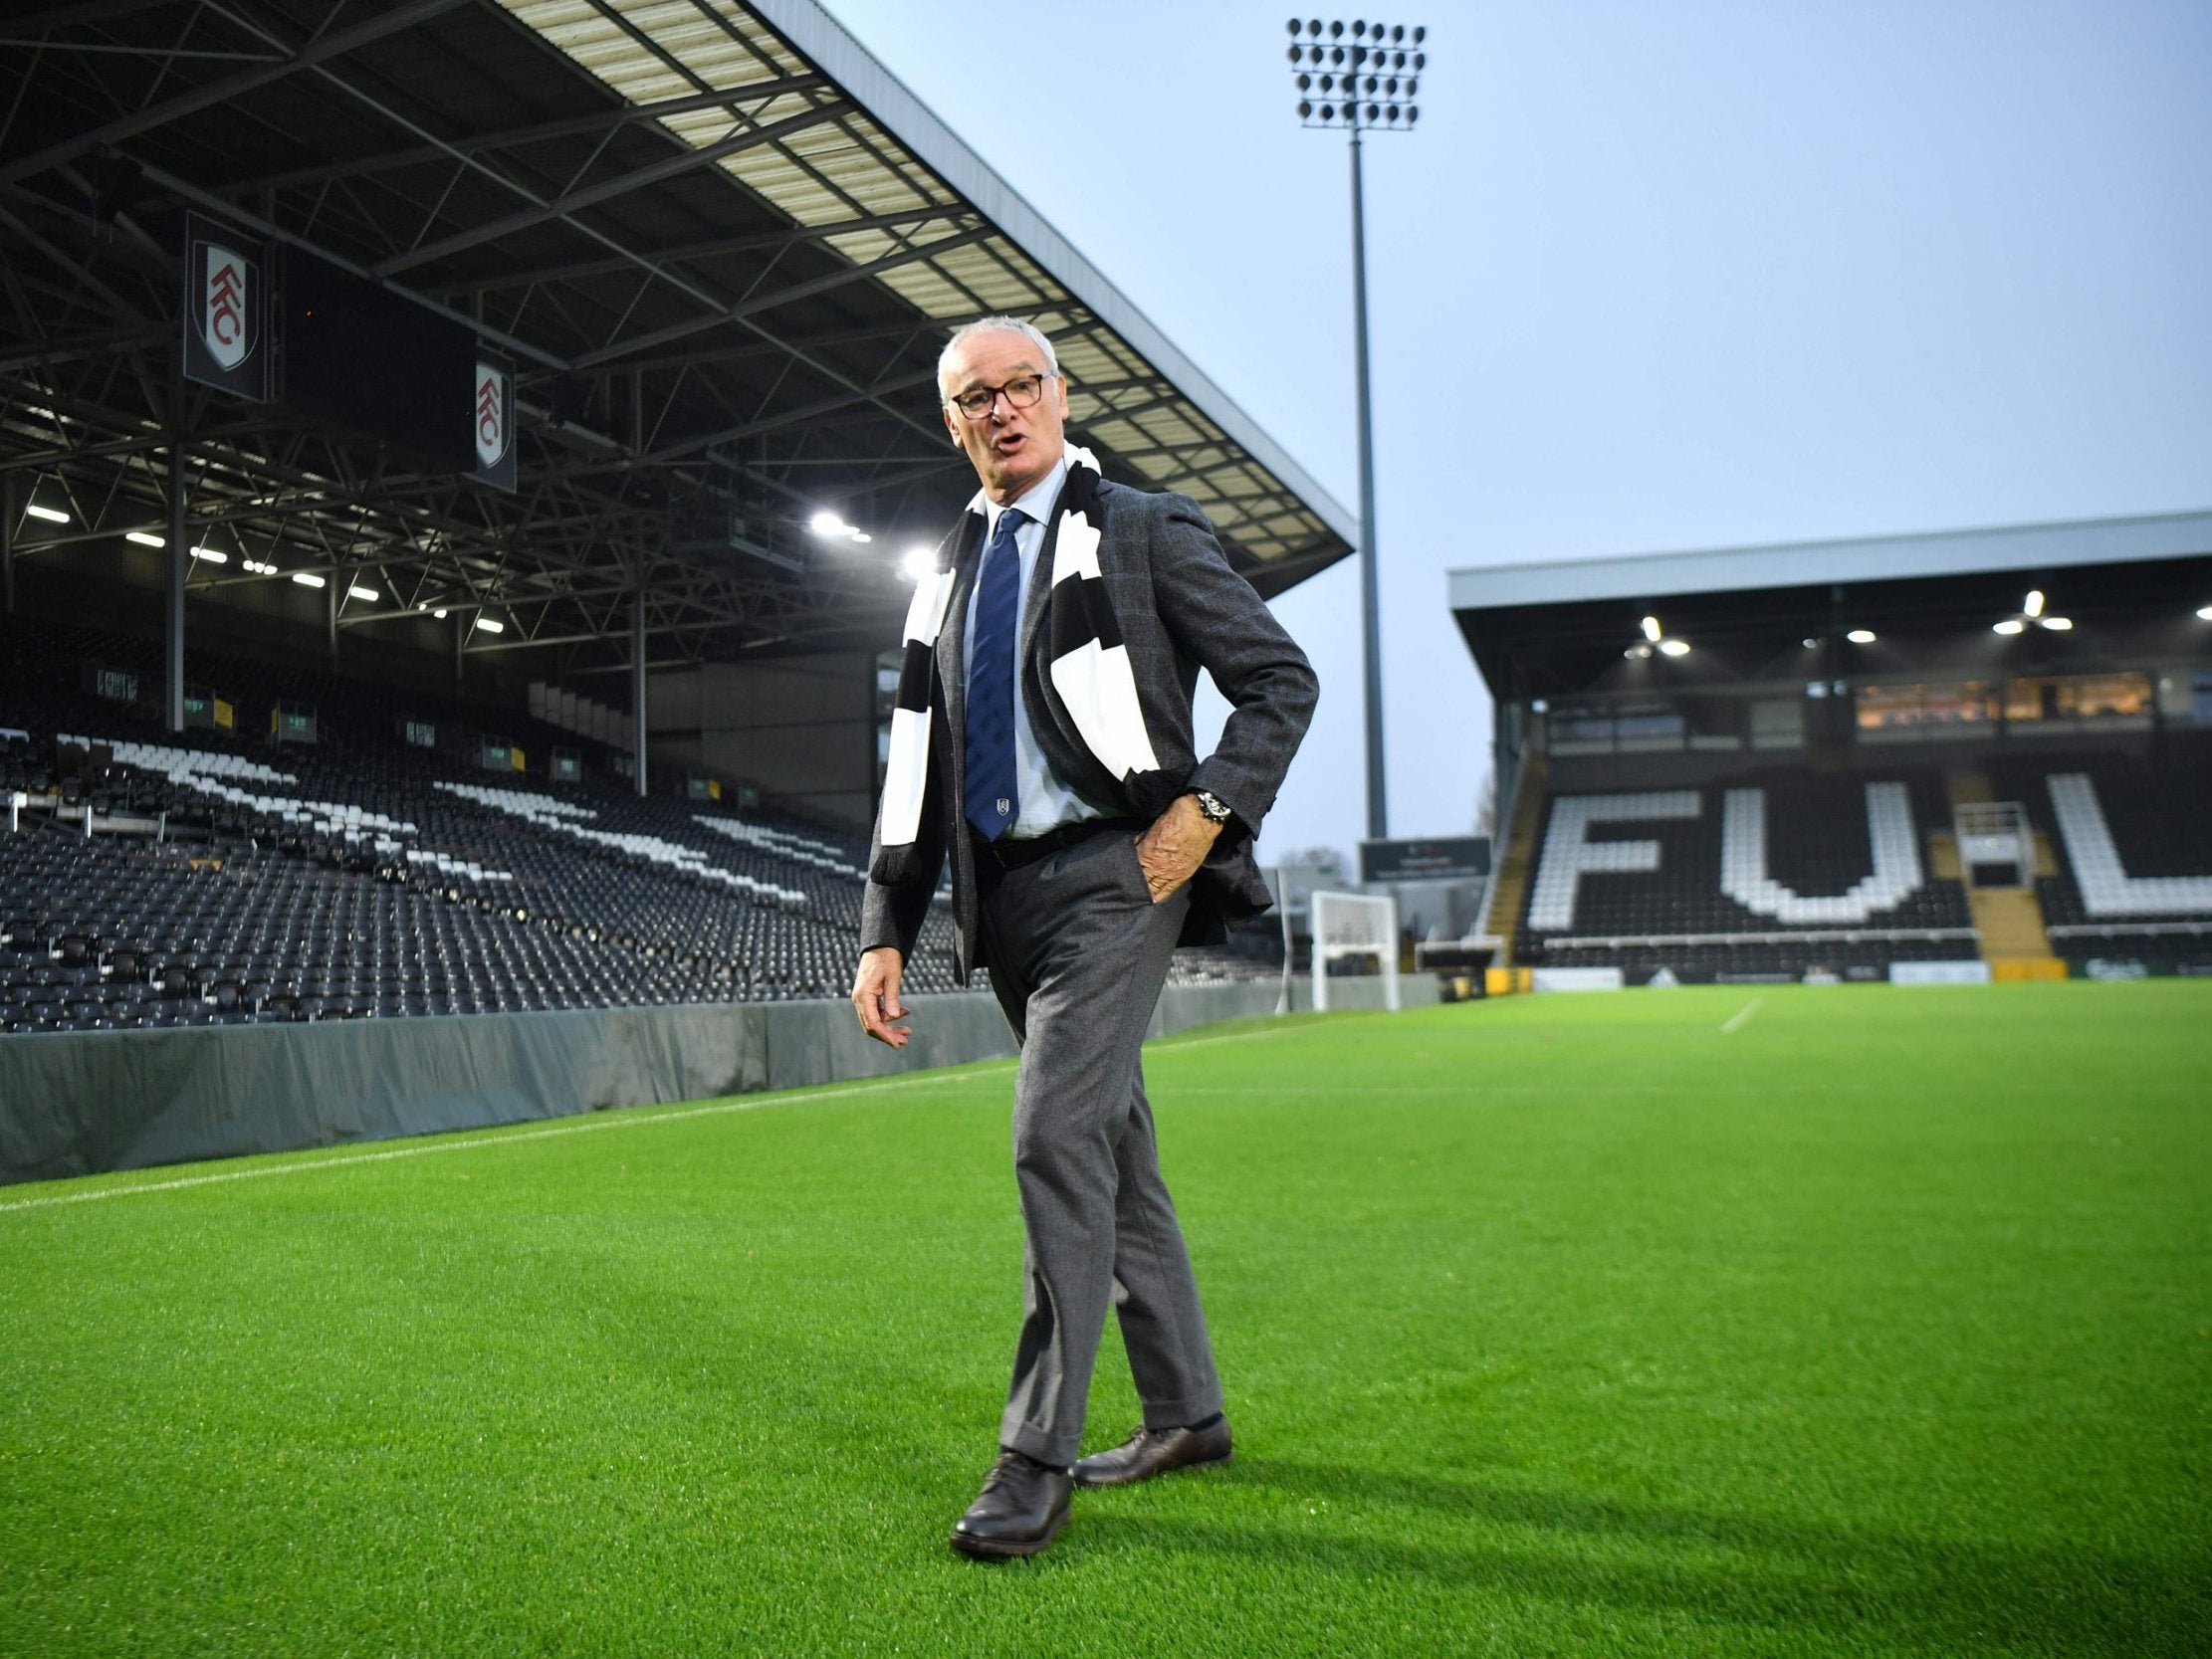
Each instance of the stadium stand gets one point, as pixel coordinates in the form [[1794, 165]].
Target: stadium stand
[[219, 878], [1775, 874], [2130, 885], [1940, 757]]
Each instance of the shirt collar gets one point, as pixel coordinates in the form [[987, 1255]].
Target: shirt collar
[[1036, 500]]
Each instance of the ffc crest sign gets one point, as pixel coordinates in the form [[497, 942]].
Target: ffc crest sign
[[493, 420], [224, 310], [226, 298]]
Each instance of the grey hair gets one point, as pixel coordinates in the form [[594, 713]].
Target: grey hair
[[996, 325]]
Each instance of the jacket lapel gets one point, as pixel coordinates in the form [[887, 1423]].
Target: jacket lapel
[[952, 638]]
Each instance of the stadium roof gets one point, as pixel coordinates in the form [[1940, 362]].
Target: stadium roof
[[722, 243], [2129, 586]]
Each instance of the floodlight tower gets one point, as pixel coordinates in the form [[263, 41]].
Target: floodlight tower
[[1362, 76]]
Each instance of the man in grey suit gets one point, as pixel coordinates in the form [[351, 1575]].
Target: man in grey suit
[[1043, 744]]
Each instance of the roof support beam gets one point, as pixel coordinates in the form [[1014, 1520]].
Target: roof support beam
[[783, 296], [373, 28], [629, 115], [561, 207]]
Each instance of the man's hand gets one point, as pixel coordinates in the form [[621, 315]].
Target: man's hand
[[875, 993], [1175, 845]]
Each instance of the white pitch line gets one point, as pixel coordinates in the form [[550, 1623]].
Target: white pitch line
[[626, 1120], [1741, 1017]]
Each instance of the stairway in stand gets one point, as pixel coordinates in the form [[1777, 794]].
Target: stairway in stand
[[1519, 855], [2008, 919]]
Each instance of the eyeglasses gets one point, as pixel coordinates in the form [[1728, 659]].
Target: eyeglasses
[[1021, 392]]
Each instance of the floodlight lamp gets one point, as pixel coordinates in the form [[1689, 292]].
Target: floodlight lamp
[[1295, 26], [2010, 625], [1336, 30], [1420, 35], [439, 613], [1860, 636], [1675, 647], [368, 595], [491, 625], [2204, 613], [2057, 624], [213, 555], [1313, 27], [918, 561], [1809, 644], [144, 538], [307, 579], [2033, 605], [1651, 629], [1296, 56], [52, 515]]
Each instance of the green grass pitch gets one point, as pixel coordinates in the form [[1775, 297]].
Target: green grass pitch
[[1855, 1321]]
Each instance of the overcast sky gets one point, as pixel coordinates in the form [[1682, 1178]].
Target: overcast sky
[[1649, 274]]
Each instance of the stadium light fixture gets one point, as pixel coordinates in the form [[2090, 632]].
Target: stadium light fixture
[[260, 568], [1651, 629], [491, 625], [830, 528], [1860, 636], [1675, 647], [2031, 611], [916, 561], [144, 538], [439, 613], [368, 595], [1362, 78], [213, 555], [2204, 613], [307, 579], [52, 515]]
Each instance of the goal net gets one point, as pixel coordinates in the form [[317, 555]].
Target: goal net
[[1353, 924]]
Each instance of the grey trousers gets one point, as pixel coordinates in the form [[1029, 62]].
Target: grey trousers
[[1077, 952]]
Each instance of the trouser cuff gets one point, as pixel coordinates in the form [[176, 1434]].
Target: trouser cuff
[[1184, 1412]]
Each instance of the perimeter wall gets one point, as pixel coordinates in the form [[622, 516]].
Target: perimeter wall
[[77, 1104]]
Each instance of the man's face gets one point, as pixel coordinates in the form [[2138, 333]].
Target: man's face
[[1011, 448]]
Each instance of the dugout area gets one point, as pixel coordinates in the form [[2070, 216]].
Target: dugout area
[[1948, 757]]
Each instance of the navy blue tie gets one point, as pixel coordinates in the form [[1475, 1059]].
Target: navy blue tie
[[988, 761]]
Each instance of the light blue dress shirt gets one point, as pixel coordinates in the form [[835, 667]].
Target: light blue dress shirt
[[1046, 801]]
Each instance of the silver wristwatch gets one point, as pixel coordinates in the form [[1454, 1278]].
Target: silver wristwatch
[[1212, 805]]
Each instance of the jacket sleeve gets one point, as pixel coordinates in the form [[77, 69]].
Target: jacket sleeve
[[1217, 620], [892, 912]]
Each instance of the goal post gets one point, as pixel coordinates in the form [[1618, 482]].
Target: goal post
[[1353, 924]]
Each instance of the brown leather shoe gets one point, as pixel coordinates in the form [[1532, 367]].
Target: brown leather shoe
[[1022, 1509], [1155, 1451]]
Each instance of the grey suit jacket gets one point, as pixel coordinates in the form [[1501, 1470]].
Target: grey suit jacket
[[1181, 607]]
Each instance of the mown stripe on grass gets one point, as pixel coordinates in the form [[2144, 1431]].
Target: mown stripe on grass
[[496, 1137]]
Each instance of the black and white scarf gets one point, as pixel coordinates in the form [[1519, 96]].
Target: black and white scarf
[[1091, 688]]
